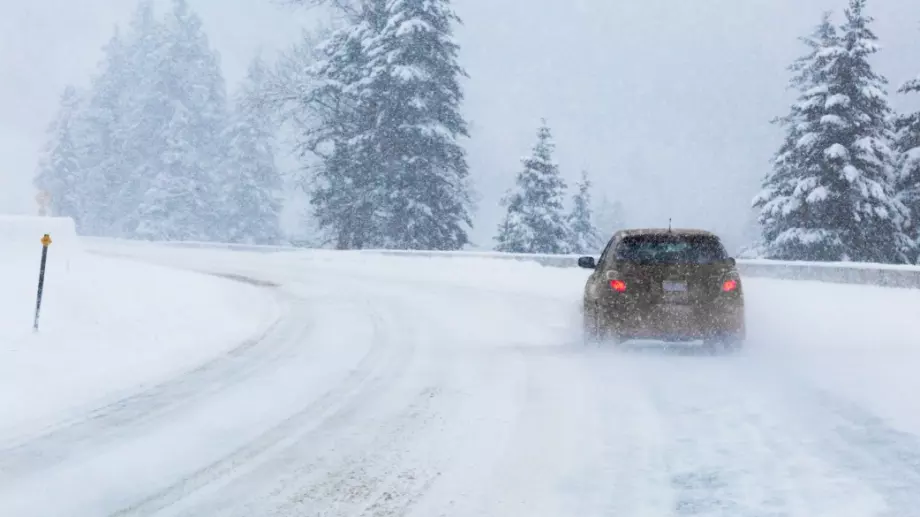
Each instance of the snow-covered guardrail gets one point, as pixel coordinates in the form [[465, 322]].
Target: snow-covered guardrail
[[837, 272], [886, 275]]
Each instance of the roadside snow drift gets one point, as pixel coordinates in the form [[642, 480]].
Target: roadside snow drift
[[107, 326]]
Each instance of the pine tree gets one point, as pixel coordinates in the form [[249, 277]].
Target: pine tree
[[583, 234], [413, 86], [908, 166], [253, 203], [534, 222], [380, 110], [830, 195], [61, 171], [184, 200], [789, 231]]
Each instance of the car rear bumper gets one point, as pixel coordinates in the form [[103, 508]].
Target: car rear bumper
[[676, 322]]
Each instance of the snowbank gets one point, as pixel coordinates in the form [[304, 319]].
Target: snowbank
[[107, 326], [21, 234], [20, 241]]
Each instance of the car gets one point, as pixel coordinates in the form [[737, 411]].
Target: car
[[673, 285]]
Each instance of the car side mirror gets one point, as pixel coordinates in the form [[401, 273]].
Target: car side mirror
[[731, 261], [587, 263]]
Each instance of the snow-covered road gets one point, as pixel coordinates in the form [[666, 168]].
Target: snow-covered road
[[439, 387]]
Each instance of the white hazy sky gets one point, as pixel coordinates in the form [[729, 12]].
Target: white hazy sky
[[665, 102]]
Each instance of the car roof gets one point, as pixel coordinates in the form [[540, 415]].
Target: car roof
[[686, 232]]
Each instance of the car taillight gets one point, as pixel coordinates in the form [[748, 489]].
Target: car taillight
[[729, 285], [618, 286]]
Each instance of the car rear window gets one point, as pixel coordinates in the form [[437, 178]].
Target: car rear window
[[671, 249]]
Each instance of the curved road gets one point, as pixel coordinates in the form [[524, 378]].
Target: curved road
[[377, 396]]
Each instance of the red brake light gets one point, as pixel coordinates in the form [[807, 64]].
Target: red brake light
[[729, 285], [618, 286]]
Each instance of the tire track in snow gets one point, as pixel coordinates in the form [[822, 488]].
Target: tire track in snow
[[340, 402], [364, 460], [102, 426], [397, 444], [628, 473], [715, 457], [383, 477]]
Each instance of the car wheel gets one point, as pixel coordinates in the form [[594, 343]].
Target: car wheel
[[589, 325], [611, 334], [607, 331], [725, 344], [736, 343]]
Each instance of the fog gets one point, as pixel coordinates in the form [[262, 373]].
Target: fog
[[666, 103]]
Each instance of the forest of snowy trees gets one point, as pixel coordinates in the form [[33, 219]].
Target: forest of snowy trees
[[156, 148], [153, 150]]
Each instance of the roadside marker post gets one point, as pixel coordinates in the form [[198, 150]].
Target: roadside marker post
[[46, 241]]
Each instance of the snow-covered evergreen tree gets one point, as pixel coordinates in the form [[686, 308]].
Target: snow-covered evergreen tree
[[184, 200], [908, 169], [380, 110], [583, 237], [830, 195], [413, 86], [535, 220], [62, 169], [252, 181]]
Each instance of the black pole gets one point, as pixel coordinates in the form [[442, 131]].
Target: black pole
[[41, 281]]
